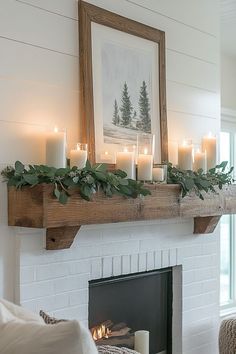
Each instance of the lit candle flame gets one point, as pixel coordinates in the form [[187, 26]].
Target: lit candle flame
[[55, 130], [78, 147], [145, 151], [106, 152]]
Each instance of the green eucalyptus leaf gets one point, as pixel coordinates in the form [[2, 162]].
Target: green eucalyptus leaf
[[63, 198], [60, 172], [56, 192], [120, 173], [100, 176], [30, 179], [19, 167], [101, 167], [124, 182]]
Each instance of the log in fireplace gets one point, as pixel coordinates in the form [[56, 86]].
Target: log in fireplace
[[119, 306]]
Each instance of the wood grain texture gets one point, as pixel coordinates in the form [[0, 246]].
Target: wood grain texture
[[87, 14], [37, 207], [58, 238], [205, 225]]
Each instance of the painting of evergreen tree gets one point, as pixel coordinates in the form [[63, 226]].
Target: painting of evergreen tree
[[144, 122], [126, 107], [127, 93], [116, 117], [129, 117]]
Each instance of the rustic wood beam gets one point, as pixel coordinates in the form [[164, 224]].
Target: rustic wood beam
[[37, 207]]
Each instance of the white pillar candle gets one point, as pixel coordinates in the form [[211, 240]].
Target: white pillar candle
[[145, 163], [141, 342], [185, 156], [158, 174], [200, 161], [106, 157], [78, 157], [56, 149], [209, 145], [125, 162]]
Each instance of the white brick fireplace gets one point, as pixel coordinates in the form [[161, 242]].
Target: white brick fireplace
[[39, 86], [58, 281]]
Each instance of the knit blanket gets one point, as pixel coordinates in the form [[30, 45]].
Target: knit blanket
[[107, 349]]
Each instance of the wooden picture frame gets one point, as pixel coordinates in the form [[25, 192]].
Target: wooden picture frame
[[89, 14]]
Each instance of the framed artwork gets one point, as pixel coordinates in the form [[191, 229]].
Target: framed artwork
[[122, 83]]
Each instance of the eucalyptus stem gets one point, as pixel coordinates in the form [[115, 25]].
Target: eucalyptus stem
[[86, 181], [198, 182]]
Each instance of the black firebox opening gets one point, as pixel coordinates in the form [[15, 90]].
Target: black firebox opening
[[143, 301]]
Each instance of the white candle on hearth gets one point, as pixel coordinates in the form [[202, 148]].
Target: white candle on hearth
[[125, 161], [145, 163], [56, 149], [199, 161], [209, 145], [185, 156], [78, 157], [141, 342]]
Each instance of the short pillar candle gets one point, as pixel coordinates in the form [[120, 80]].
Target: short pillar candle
[[159, 173], [185, 155], [141, 342], [56, 149], [78, 157]]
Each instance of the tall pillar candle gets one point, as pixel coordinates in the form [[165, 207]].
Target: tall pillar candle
[[200, 160], [209, 145], [141, 342], [56, 149], [145, 165], [78, 157], [185, 156], [125, 161]]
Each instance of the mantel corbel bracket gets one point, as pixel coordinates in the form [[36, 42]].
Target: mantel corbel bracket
[[206, 224], [58, 238]]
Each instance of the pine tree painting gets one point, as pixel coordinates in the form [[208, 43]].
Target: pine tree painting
[[126, 107], [116, 117], [144, 122]]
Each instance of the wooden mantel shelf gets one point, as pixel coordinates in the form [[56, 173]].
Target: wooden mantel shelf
[[37, 208]]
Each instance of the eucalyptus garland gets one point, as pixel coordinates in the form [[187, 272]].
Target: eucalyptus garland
[[91, 179], [86, 181], [199, 182]]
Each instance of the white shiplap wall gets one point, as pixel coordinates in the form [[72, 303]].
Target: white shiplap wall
[[39, 86]]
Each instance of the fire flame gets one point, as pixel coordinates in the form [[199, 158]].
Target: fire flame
[[100, 332]]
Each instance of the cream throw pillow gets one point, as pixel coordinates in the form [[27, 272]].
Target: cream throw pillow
[[22, 332]]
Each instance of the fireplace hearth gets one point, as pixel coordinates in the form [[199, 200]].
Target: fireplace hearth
[[120, 306]]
